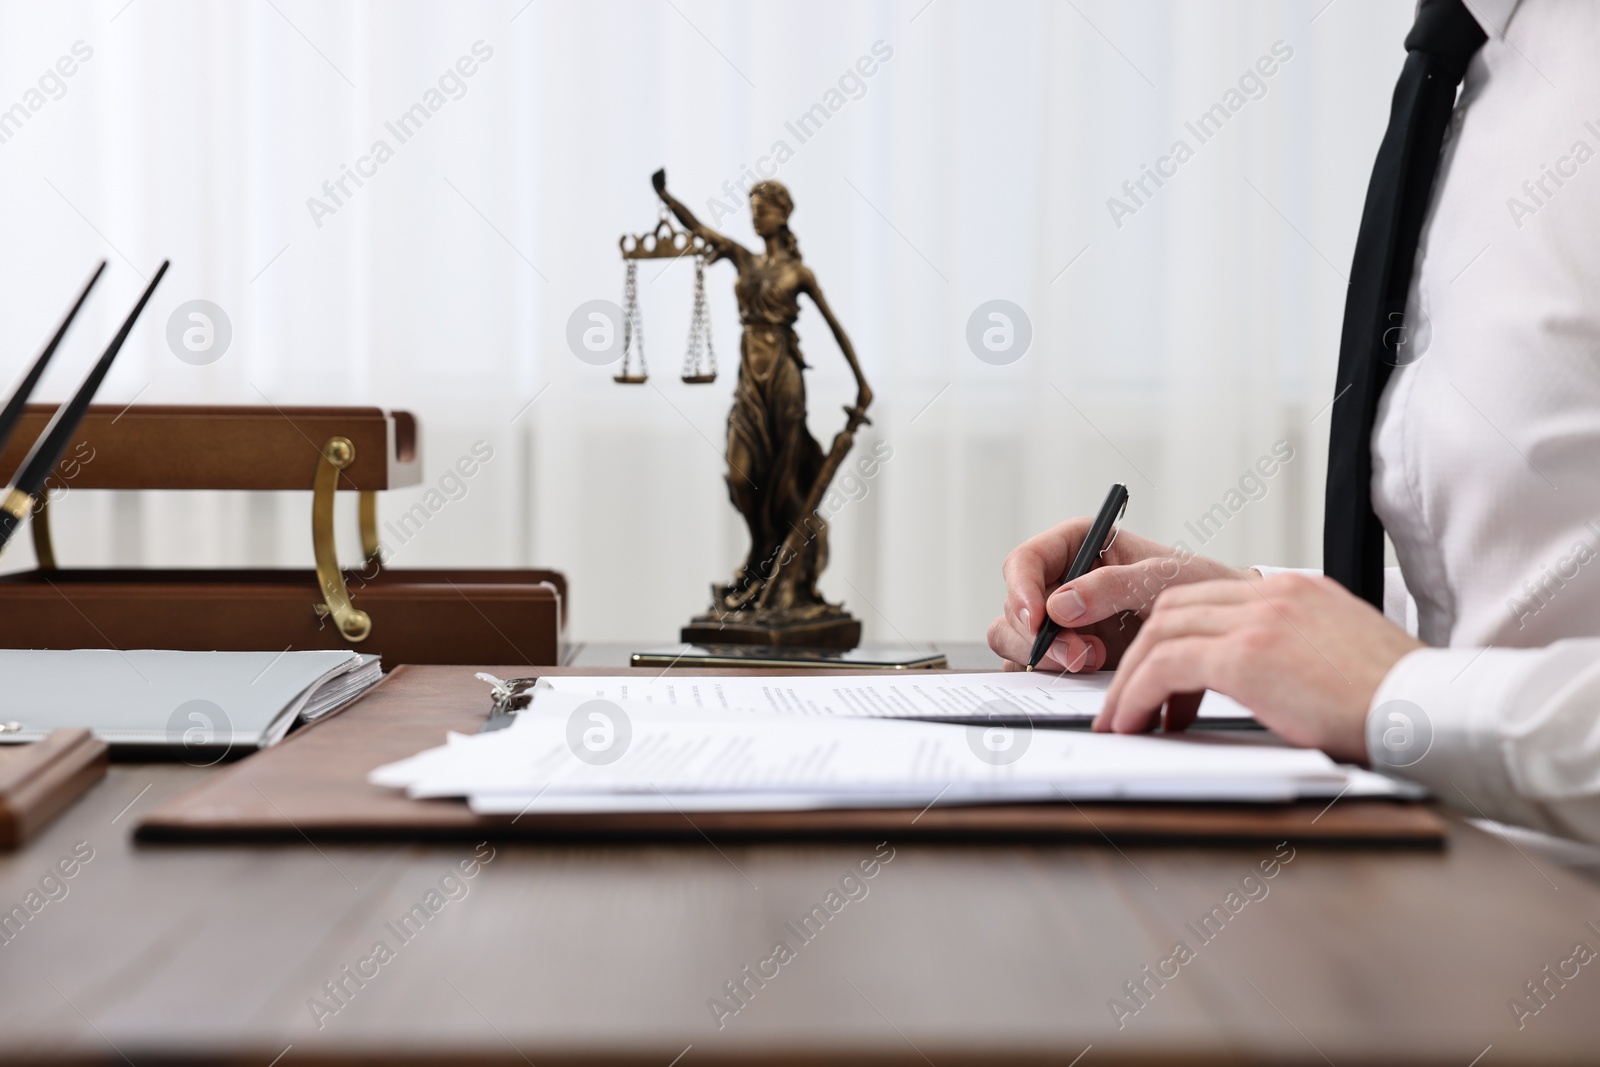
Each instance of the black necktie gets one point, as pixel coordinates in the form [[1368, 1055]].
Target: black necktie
[[1438, 48]]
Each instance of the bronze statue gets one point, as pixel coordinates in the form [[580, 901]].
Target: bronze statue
[[777, 473]]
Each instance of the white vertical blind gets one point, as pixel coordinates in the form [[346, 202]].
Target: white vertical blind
[[975, 163]]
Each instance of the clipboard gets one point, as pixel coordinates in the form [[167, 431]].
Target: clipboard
[[38, 781], [313, 786]]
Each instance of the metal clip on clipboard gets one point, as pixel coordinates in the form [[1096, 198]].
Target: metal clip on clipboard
[[506, 699]]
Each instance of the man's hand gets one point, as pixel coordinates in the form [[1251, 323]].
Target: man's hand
[[1299, 651], [1103, 608]]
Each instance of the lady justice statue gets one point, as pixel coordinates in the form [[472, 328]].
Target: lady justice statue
[[777, 473]]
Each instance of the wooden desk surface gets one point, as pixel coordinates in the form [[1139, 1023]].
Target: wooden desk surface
[[968, 954]]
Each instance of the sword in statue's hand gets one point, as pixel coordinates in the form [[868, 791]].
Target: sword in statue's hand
[[855, 418]]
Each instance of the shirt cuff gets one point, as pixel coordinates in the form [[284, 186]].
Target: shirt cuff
[[1434, 721]]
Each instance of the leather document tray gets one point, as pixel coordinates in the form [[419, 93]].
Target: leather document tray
[[314, 785], [457, 615], [464, 615]]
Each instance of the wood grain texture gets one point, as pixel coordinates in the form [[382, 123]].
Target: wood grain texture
[[965, 954], [315, 784]]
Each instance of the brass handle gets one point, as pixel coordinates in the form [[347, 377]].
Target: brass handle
[[371, 547], [352, 622]]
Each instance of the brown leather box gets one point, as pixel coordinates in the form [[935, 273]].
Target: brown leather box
[[407, 616], [418, 616]]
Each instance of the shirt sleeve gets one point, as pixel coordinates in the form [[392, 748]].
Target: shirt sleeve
[[1499, 733], [1398, 605]]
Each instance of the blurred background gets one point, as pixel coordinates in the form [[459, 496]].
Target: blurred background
[[1180, 332]]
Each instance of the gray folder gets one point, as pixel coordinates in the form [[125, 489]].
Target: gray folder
[[204, 703]]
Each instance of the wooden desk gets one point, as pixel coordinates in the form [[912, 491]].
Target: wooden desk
[[966, 954]]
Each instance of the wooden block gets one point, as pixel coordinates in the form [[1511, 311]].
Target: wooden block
[[39, 780]]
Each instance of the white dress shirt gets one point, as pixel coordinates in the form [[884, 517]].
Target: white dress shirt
[[1486, 449]]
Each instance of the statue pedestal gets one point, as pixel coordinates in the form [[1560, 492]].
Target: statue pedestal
[[833, 628]]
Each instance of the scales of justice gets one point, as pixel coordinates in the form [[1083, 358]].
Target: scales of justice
[[777, 472]]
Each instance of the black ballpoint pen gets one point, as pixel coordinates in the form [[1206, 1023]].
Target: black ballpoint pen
[[12, 414], [25, 488], [1093, 545]]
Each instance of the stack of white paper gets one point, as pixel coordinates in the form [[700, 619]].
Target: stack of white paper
[[573, 752], [1017, 696]]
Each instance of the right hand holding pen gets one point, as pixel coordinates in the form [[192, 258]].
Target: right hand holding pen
[[1103, 609]]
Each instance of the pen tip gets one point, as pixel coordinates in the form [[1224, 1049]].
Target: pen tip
[[1030, 666]]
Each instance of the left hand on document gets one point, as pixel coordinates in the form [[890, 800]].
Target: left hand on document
[[1299, 651]]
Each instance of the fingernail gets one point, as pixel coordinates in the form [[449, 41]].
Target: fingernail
[[1073, 607], [1027, 620], [1076, 663]]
